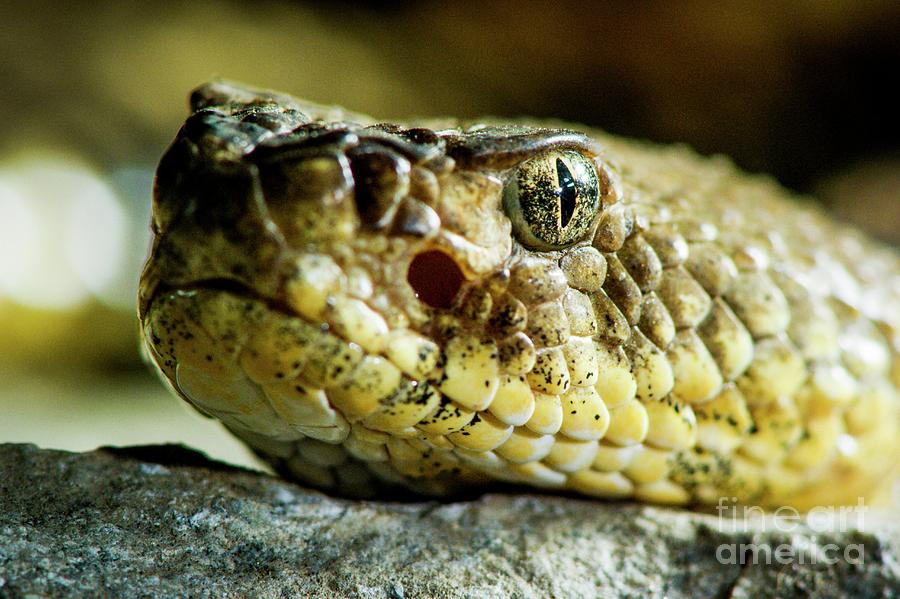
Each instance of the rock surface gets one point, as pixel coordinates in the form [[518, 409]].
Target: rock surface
[[165, 521]]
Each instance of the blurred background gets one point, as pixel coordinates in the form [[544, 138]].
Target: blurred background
[[92, 93]]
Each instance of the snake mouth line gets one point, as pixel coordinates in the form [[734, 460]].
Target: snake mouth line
[[435, 278], [282, 307], [225, 285]]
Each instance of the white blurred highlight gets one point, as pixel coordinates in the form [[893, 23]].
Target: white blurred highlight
[[64, 236]]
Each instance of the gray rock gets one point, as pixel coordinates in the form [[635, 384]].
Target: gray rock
[[166, 521]]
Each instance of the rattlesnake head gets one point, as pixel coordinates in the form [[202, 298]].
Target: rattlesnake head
[[441, 305]]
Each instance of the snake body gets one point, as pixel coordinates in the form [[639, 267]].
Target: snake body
[[441, 305]]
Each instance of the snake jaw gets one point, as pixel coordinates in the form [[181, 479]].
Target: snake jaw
[[350, 298]]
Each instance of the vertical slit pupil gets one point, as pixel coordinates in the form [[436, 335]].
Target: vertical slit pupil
[[568, 193]]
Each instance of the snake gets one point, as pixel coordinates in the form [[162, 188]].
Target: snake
[[440, 306]]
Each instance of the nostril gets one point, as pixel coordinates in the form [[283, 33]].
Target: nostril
[[435, 277]]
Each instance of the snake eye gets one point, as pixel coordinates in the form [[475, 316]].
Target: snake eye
[[552, 199]]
